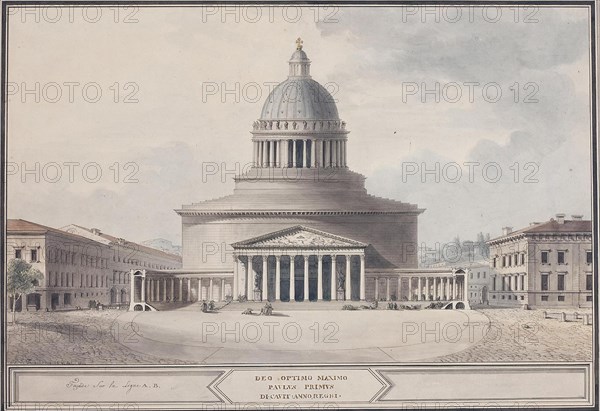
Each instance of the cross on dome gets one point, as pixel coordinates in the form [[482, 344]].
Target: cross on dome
[[299, 43]]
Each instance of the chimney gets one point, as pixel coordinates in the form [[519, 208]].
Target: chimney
[[560, 218], [96, 231], [506, 230], [577, 217]]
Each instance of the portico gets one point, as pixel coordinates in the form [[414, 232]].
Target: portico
[[300, 264], [417, 284]]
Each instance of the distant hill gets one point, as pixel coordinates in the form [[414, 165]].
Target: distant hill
[[163, 245]]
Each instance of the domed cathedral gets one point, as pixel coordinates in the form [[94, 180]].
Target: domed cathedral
[[300, 224]]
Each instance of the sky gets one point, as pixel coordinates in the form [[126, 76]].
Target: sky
[[479, 116]]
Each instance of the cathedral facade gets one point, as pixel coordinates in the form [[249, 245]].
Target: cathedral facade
[[300, 224]]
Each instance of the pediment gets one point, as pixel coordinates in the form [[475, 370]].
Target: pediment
[[299, 237]]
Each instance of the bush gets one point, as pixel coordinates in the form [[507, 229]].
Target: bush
[[242, 298], [349, 307]]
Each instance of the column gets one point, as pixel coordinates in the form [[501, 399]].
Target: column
[[277, 277], [319, 153], [388, 295], [250, 282], [189, 287], [306, 277], [180, 289], [362, 277], [199, 289], [305, 158], [293, 153], [280, 155], [254, 153], [164, 289], [348, 281], [209, 294], [339, 153], [427, 288], [143, 289], [454, 288], [131, 289], [313, 153], [151, 289], [265, 279], [410, 293], [345, 154], [435, 288], [334, 153], [172, 289], [399, 291], [272, 153], [419, 289], [327, 163], [333, 277], [236, 276], [292, 278], [320, 276], [222, 289], [376, 288]]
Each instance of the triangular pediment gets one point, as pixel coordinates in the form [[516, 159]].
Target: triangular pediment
[[299, 237]]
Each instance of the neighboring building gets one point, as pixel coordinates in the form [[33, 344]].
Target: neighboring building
[[126, 255], [76, 269], [480, 283], [79, 264], [545, 264]]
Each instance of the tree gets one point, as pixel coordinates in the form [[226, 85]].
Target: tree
[[21, 279]]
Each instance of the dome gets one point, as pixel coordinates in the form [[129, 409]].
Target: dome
[[299, 97]]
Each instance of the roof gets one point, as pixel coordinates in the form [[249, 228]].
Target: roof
[[116, 240], [19, 226], [551, 226]]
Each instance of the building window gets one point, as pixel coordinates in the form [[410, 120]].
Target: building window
[[503, 261], [494, 262], [478, 274], [18, 254], [561, 298], [545, 255], [484, 274], [471, 275], [588, 298], [522, 297], [503, 297], [561, 257], [589, 282], [494, 296], [34, 256], [544, 282], [523, 259], [561, 282], [589, 258], [544, 298]]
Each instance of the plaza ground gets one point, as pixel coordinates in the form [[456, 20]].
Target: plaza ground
[[295, 333]]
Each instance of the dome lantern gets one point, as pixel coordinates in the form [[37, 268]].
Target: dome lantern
[[299, 62]]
